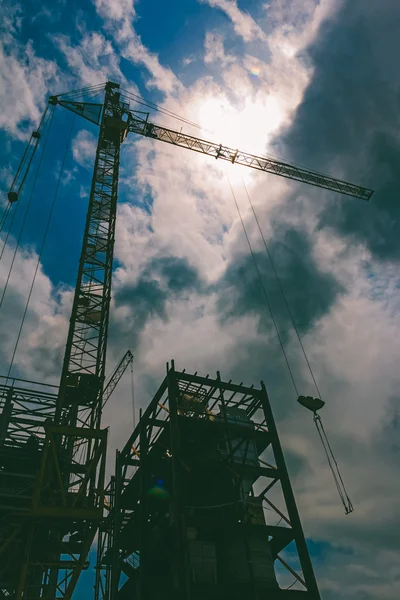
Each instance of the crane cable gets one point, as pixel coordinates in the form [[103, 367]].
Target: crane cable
[[93, 91], [9, 229], [282, 292], [55, 195], [5, 215], [164, 111], [348, 507], [133, 396], [268, 304], [87, 91], [26, 213]]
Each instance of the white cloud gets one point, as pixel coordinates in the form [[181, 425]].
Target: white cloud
[[25, 81], [84, 148], [11, 20], [214, 49], [39, 350], [92, 61], [118, 18], [244, 25], [188, 60], [116, 9], [293, 24]]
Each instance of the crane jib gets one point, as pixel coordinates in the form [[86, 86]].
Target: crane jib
[[235, 156], [137, 122]]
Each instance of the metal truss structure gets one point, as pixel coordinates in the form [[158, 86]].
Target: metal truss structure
[[52, 448], [49, 508], [186, 516], [141, 126], [82, 378], [55, 447], [113, 380], [138, 123]]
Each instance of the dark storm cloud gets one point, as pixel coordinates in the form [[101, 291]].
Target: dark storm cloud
[[349, 121], [164, 279], [388, 439], [309, 292], [146, 296], [177, 272]]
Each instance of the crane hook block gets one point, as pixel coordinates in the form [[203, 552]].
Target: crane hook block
[[312, 404]]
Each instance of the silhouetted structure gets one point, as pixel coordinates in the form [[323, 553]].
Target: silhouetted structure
[[186, 518]]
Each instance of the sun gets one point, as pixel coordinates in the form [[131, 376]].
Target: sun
[[249, 127]]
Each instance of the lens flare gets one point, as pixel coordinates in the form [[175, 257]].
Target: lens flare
[[158, 492], [255, 71]]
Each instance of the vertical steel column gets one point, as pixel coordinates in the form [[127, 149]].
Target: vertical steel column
[[177, 507], [116, 525], [143, 474], [293, 513], [105, 547]]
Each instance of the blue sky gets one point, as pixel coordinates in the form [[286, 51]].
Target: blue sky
[[314, 81]]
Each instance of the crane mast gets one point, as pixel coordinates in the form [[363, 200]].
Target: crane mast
[[82, 377], [48, 535]]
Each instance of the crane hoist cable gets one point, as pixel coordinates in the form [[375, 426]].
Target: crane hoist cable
[[348, 507], [347, 504], [282, 292], [55, 195], [267, 302], [4, 216], [310, 403], [26, 211], [10, 226], [133, 397]]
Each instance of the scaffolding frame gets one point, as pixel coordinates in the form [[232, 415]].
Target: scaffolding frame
[[49, 510], [123, 546]]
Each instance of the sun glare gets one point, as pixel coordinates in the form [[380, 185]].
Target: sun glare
[[248, 128]]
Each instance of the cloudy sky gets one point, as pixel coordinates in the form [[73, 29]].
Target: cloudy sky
[[314, 82]]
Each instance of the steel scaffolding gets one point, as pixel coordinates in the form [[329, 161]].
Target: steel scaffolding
[[187, 513]]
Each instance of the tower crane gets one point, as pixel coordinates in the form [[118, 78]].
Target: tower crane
[[47, 537], [112, 382]]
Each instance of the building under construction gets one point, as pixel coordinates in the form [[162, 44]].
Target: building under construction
[[184, 515], [187, 513]]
